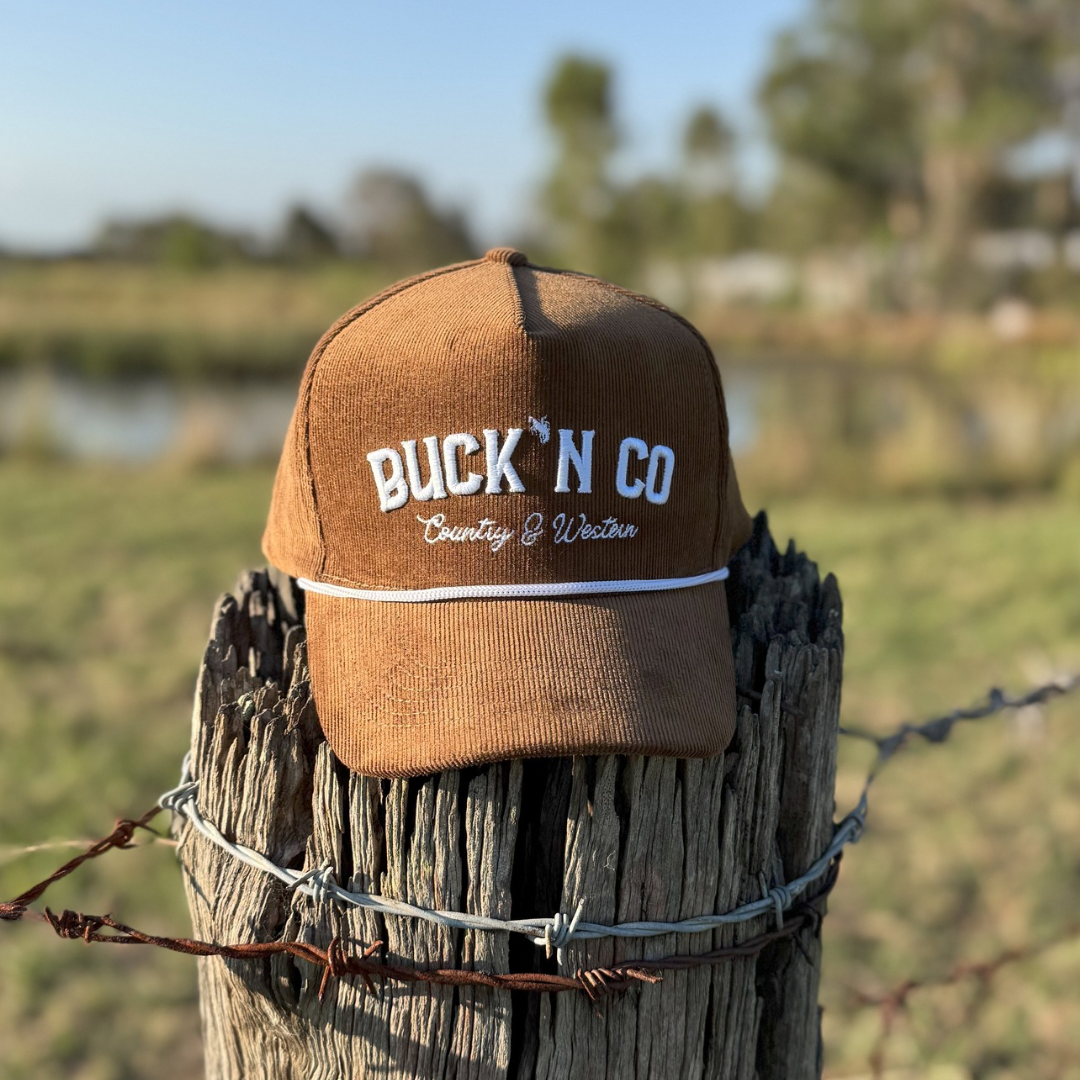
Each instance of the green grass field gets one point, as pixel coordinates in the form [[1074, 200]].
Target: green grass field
[[107, 579]]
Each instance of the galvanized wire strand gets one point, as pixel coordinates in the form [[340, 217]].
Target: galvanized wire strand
[[553, 932], [557, 931]]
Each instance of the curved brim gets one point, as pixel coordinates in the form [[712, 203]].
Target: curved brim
[[406, 689]]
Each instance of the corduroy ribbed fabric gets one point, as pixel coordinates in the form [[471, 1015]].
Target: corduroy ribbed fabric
[[460, 682], [580, 432]]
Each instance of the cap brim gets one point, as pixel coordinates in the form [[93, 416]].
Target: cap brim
[[407, 689]]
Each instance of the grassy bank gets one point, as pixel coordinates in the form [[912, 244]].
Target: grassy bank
[[107, 578], [243, 319], [118, 319]]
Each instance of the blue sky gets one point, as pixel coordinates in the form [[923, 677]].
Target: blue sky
[[231, 110]]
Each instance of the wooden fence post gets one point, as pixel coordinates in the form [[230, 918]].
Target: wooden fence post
[[639, 837]]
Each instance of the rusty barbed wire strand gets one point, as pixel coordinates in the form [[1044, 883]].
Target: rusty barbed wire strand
[[895, 1002], [120, 837], [337, 963], [594, 981]]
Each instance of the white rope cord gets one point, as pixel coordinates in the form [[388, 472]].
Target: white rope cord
[[513, 591], [554, 932]]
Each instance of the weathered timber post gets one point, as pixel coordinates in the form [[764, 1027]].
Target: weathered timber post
[[638, 837]]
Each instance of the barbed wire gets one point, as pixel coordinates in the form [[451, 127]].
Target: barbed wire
[[940, 728], [336, 961], [120, 837], [557, 931], [554, 932], [895, 1002]]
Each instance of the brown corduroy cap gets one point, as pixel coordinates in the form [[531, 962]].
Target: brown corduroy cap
[[508, 492]]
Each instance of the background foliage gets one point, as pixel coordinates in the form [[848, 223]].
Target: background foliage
[[895, 317]]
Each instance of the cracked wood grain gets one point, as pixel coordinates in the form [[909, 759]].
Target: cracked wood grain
[[639, 837]]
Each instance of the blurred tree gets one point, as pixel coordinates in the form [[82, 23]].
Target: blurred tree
[[708, 150], [587, 227], [910, 107], [390, 219], [627, 231], [715, 221], [305, 237], [692, 214], [652, 212], [179, 241], [808, 208]]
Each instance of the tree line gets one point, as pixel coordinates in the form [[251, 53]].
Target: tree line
[[908, 128]]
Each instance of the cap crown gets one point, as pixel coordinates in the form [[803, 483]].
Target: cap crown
[[498, 423]]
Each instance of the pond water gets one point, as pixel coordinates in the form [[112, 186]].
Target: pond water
[[793, 426], [145, 419]]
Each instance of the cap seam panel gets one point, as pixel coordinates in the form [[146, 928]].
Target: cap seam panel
[[519, 302], [319, 351], [710, 360]]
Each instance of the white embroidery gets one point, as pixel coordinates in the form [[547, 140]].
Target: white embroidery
[[498, 460], [454, 484], [533, 528], [580, 459], [395, 480], [658, 454], [540, 428], [515, 591], [622, 484], [571, 527], [436, 531], [434, 488], [393, 491]]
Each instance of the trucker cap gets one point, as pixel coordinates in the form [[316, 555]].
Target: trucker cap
[[508, 493]]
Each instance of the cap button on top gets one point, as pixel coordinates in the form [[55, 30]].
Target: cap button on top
[[506, 255]]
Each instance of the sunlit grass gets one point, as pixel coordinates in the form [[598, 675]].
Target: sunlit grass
[[103, 318], [107, 580]]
